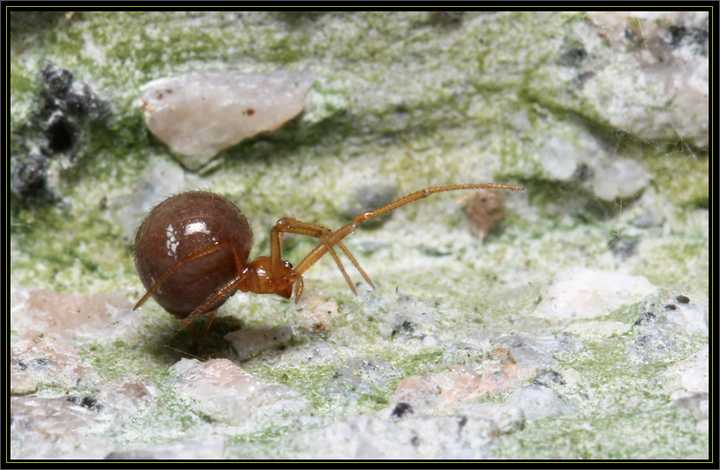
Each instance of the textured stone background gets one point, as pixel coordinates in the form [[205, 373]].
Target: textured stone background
[[577, 329]]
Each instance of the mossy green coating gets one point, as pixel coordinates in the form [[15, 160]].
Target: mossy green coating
[[454, 123], [120, 359], [310, 381], [660, 432], [622, 396], [682, 178]]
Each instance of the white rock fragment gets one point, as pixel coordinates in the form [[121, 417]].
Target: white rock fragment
[[587, 293], [248, 343], [654, 84], [619, 179], [49, 330], [688, 383], [560, 157], [689, 377], [412, 437], [68, 318], [507, 418], [200, 114], [57, 428], [692, 318], [228, 394], [449, 389], [537, 402], [317, 313], [207, 447]]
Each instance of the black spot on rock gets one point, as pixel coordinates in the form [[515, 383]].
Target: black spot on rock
[[582, 78], [633, 35], [61, 135], [573, 57], [405, 327], [57, 127], [401, 409], [65, 107], [645, 317], [623, 247], [683, 299], [583, 172], [671, 307], [87, 401], [700, 37], [28, 176], [462, 422], [677, 33], [56, 81], [548, 376]]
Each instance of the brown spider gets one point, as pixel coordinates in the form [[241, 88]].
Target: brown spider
[[191, 251]]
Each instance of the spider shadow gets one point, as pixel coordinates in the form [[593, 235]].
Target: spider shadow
[[194, 342]]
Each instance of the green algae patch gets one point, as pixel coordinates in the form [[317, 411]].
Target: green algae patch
[[68, 250], [680, 263], [656, 430], [683, 179], [121, 359], [422, 362], [265, 437], [625, 414], [377, 399], [170, 418], [311, 381], [23, 87], [628, 313]]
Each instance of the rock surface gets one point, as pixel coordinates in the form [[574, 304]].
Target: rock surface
[[578, 331], [226, 394]]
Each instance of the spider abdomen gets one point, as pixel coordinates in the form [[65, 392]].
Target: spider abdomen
[[176, 228]]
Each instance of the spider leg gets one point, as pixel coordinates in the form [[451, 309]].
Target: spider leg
[[224, 292], [174, 268], [355, 263], [289, 225], [338, 235]]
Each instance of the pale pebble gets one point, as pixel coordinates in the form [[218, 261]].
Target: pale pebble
[[200, 114], [228, 394], [579, 293]]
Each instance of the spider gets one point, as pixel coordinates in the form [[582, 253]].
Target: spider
[[192, 249]]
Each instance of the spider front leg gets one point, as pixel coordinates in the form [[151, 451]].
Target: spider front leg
[[337, 236], [290, 225], [209, 306]]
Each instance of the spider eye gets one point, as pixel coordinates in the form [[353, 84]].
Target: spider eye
[[287, 264]]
